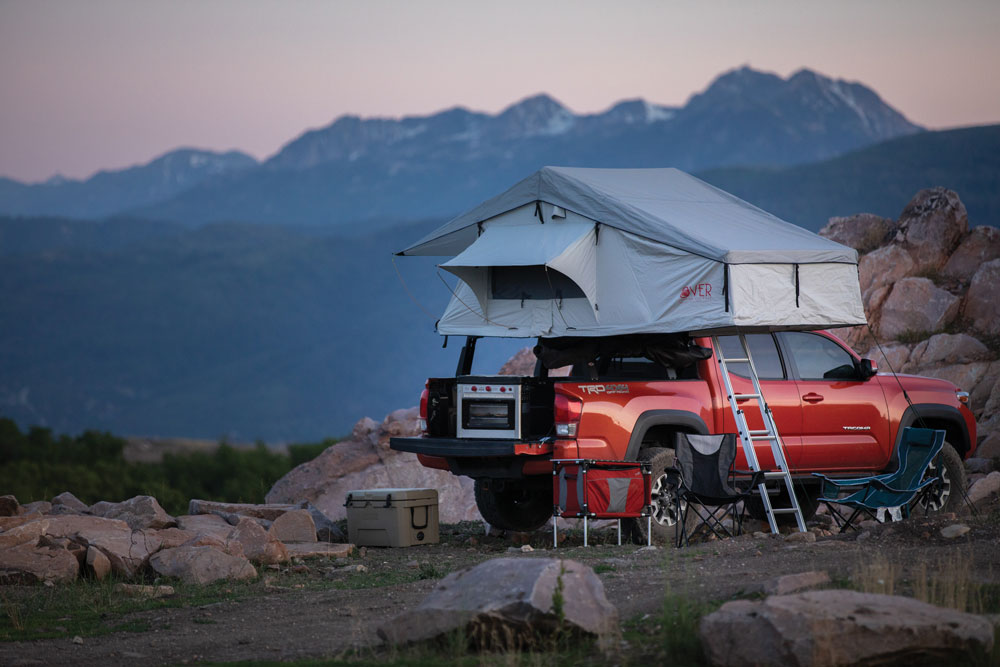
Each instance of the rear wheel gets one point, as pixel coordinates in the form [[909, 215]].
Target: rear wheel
[[664, 499], [947, 494], [522, 505]]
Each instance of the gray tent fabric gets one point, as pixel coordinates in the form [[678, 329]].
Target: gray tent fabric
[[651, 250]]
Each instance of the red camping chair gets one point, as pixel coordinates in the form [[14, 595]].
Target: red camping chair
[[588, 489]]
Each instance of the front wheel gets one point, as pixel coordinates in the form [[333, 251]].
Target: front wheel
[[945, 495], [522, 506]]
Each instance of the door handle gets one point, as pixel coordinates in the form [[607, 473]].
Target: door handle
[[812, 397]]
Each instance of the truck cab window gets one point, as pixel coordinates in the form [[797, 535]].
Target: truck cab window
[[819, 358], [764, 352]]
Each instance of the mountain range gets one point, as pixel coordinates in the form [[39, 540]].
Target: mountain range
[[379, 170]]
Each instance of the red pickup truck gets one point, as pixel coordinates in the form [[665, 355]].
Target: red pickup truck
[[836, 415]]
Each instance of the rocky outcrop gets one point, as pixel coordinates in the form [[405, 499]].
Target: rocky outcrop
[[510, 603], [932, 297], [364, 461], [838, 627], [60, 546]]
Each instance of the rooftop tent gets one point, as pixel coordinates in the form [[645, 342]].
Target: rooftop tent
[[599, 252]]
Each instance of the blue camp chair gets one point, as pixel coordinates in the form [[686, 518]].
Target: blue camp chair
[[894, 491]]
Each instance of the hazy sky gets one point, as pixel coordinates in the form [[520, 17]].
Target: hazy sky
[[109, 83]]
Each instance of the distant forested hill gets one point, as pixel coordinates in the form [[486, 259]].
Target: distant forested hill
[[880, 179], [230, 330]]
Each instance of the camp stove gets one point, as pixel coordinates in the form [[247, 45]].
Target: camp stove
[[489, 407]]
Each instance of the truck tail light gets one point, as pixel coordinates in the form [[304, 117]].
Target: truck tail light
[[422, 421], [567, 415]]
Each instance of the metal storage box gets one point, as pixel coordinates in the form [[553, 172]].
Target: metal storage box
[[392, 517]]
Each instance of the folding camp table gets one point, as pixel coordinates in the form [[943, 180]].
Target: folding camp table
[[589, 489]]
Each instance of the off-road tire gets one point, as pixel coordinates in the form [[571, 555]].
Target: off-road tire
[[806, 494], [520, 506], [664, 499], [948, 496]]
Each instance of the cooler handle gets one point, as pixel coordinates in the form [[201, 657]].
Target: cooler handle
[[427, 518]]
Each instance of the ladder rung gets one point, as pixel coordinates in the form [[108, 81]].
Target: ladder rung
[[784, 510], [763, 431], [778, 474], [735, 360], [742, 397], [763, 437]]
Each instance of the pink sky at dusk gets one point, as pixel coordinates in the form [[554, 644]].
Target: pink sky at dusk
[[109, 83]]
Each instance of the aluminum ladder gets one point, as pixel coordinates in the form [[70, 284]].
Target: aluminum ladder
[[769, 432]]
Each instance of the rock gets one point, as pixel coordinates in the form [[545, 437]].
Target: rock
[[174, 537], [140, 590], [839, 627], [229, 546], [77, 640], [989, 448], [507, 603], [294, 526], [201, 565], [980, 246], [985, 489], [268, 512], [364, 461], [98, 564], [948, 349], [25, 533], [205, 524], [139, 512], [127, 550], [954, 530], [39, 506], [8, 522], [792, 583], [258, 545], [28, 564], [932, 225], [978, 465], [982, 303], [326, 529], [864, 231], [319, 550], [890, 357], [68, 501], [9, 506], [883, 267], [916, 305], [800, 537]]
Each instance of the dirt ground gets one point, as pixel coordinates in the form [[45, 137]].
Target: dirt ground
[[323, 609]]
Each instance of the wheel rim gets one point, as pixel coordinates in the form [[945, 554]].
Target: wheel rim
[[937, 499], [663, 496]]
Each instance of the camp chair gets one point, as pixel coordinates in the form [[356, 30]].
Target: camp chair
[[704, 464], [891, 493]]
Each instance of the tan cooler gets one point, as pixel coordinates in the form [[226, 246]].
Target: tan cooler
[[392, 517]]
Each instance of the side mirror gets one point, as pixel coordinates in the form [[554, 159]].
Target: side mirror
[[867, 368]]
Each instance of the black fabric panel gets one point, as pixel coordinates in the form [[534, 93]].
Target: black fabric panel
[[670, 350]]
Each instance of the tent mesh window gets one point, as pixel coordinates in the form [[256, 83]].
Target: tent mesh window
[[532, 283]]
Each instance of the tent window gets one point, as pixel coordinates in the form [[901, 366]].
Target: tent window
[[531, 282]]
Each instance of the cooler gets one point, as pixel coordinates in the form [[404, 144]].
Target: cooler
[[392, 517]]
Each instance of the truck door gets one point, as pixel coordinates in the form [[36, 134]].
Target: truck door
[[843, 416], [780, 392]]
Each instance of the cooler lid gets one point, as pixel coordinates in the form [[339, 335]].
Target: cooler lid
[[397, 494]]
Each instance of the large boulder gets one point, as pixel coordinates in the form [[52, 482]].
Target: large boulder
[[26, 533], [67, 503], [200, 565], [127, 549], [980, 246], [931, 227], [916, 305], [205, 524], [864, 231], [258, 545], [268, 512], [840, 627], [883, 268], [364, 461], [139, 512], [294, 526], [948, 349], [982, 303], [9, 506], [28, 564], [510, 603]]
